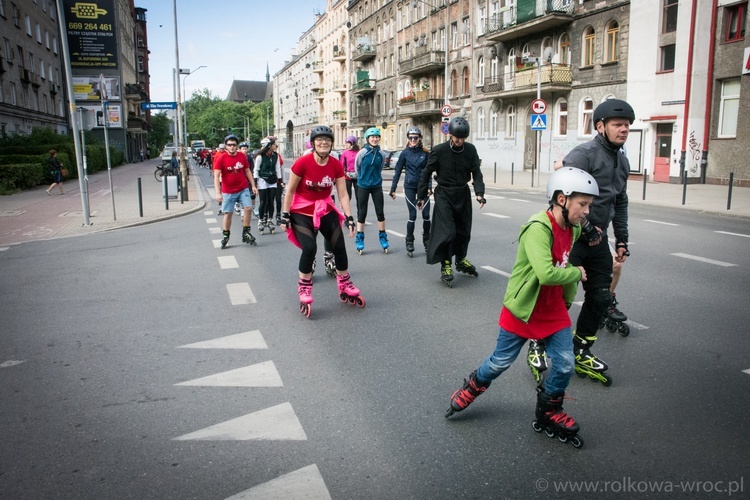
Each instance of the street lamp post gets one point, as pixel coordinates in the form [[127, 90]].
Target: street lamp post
[[184, 95]]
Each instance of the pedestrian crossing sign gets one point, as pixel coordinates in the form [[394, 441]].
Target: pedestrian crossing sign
[[538, 122]]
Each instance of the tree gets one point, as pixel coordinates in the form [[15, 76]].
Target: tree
[[158, 134]]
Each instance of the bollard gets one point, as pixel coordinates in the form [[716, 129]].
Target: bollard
[[512, 172], [166, 193], [684, 186], [645, 176], [495, 181], [729, 197], [140, 198], [182, 194]]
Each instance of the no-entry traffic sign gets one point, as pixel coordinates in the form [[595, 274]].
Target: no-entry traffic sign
[[538, 106]]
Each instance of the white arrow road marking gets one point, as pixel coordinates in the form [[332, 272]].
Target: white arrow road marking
[[660, 222], [498, 216], [304, 483], [2, 249], [240, 294], [746, 371], [259, 375], [703, 259], [275, 423], [733, 234], [10, 362], [496, 271], [247, 340], [228, 262]]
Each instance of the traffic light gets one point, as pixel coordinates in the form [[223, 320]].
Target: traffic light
[[213, 130]]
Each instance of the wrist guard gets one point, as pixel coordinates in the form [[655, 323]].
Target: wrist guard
[[350, 223], [623, 244], [286, 219]]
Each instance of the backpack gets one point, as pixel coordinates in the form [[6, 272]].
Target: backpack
[[267, 171]]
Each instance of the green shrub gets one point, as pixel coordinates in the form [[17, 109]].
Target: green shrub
[[20, 176]]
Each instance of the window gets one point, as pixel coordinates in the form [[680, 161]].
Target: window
[[510, 69], [482, 20], [480, 70], [564, 49], [589, 35], [52, 10], [561, 110], [510, 121], [2, 11], [41, 70], [466, 89], [466, 30], [480, 122], [735, 16], [729, 108], [54, 44], [443, 41], [493, 122], [28, 25], [454, 35], [16, 17], [611, 42], [454, 84], [46, 39], [669, 16], [667, 58], [587, 115], [13, 95], [140, 64], [38, 34]]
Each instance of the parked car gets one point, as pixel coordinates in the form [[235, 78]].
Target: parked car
[[166, 155], [387, 163], [393, 159]]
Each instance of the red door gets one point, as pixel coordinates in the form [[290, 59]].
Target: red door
[[663, 152]]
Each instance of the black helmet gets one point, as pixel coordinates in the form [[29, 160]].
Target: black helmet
[[321, 131], [459, 127], [231, 137], [614, 108]]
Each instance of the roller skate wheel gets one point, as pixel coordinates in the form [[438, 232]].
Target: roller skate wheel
[[576, 442], [450, 412], [350, 300], [549, 433], [535, 425], [360, 301], [305, 309], [410, 254], [607, 381], [272, 231], [611, 326], [623, 330], [562, 439], [359, 252], [385, 250]]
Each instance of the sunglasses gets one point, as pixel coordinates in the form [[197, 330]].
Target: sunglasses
[[231, 145], [413, 137]]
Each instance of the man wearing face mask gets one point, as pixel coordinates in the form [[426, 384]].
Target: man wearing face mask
[[454, 162], [604, 158]]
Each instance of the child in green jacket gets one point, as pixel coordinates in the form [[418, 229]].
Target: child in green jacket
[[541, 288]]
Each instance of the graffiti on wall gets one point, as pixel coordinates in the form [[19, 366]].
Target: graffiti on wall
[[693, 158]]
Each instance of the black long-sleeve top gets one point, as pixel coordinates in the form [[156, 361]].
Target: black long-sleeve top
[[453, 169]]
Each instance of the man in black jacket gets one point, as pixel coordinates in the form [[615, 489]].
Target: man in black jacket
[[454, 162], [604, 158]]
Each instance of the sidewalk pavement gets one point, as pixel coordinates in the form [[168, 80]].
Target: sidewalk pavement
[[33, 215]]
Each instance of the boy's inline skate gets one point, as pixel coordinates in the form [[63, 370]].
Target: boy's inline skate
[[466, 394], [305, 296], [330, 264], [466, 267], [446, 274], [360, 242], [551, 419], [383, 237], [410, 245], [348, 292], [224, 239], [261, 226], [614, 320], [247, 236], [588, 365], [537, 359]]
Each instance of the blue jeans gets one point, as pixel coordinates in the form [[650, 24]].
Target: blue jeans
[[559, 351], [228, 200]]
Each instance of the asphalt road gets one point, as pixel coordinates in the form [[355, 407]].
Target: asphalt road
[[351, 401]]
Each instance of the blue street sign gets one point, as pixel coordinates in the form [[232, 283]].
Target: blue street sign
[[538, 122], [158, 105], [444, 128]]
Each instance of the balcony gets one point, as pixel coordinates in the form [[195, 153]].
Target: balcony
[[339, 87], [134, 93], [420, 106], [319, 94], [362, 120], [339, 55], [317, 66], [529, 18], [53, 88], [339, 115], [364, 85], [424, 61], [523, 82], [364, 53]]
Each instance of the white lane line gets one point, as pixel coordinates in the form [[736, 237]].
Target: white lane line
[[11, 362], [228, 262], [746, 371], [246, 340], [303, 483], [522, 201], [275, 423], [493, 197], [660, 222], [2, 249], [217, 243], [394, 233], [733, 234], [705, 260], [258, 375], [208, 212], [240, 294], [497, 216], [211, 220], [496, 271], [214, 230]]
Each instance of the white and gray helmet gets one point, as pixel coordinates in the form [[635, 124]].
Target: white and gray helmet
[[571, 180]]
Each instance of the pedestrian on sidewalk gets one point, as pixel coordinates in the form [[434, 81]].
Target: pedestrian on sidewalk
[[369, 163], [454, 162], [604, 158], [412, 161], [55, 167], [541, 288], [231, 177]]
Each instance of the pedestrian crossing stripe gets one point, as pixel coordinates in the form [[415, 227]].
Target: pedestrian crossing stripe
[[258, 375], [247, 340], [278, 423], [303, 483]]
